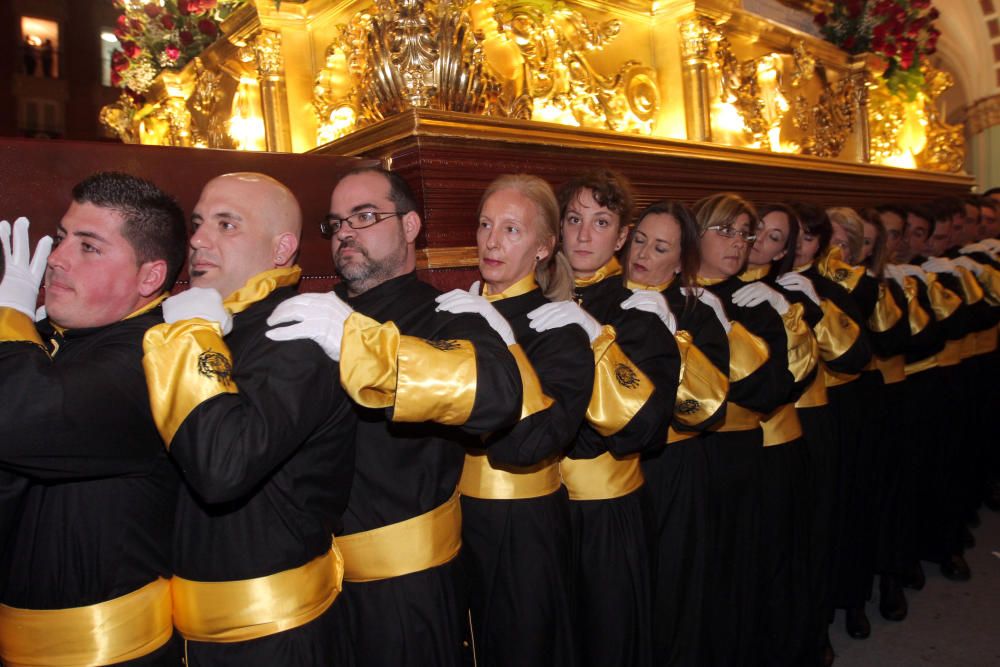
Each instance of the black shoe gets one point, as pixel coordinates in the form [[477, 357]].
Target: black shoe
[[892, 603], [956, 569], [828, 655], [968, 539], [915, 578], [857, 624]]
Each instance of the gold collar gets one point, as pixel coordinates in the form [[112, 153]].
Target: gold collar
[[522, 286], [612, 268], [259, 286], [632, 285], [752, 274]]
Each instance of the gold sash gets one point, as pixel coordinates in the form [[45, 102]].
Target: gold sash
[[481, 480], [781, 426], [739, 418], [815, 395], [236, 611], [921, 365], [986, 341], [125, 628], [968, 346], [893, 369], [419, 543], [835, 379], [951, 355], [679, 436], [601, 478]]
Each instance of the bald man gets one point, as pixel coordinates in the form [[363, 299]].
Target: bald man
[[263, 440]]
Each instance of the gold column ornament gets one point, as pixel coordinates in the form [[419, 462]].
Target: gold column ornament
[[274, 98], [696, 40], [860, 81]]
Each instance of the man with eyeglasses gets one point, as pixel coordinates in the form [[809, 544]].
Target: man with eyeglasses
[[262, 438], [426, 382]]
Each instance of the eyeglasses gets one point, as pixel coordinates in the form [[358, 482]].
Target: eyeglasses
[[730, 232], [360, 220]]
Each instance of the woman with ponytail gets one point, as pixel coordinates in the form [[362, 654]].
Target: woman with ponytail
[[515, 513]]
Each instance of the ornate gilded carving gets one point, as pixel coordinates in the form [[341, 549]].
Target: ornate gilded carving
[[118, 117], [267, 54], [945, 149]]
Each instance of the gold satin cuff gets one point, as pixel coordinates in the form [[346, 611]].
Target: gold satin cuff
[[967, 349], [422, 380], [803, 351], [781, 426], [420, 543], [620, 388], [368, 352], [122, 629], [893, 369], [674, 435], [533, 399], [16, 327], [601, 478], [739, 418], [944, 302], [836, 333], [481, 480], [986, 341], [835, 379], [951, 355], [815, 395], [922, 365], [747, 352], [887, 312], [971, 291], [186, 364], [832, 266], [990, 280], [222, 612], [702, 389], [919, 319]]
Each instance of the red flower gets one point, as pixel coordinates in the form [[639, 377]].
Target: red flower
[[152, 10], [167, 21], [821, 19], [131, 49], [921, 4], [186, 37], [849, 43], [933, 14], [116, 78], [172, 52], [208, 27]]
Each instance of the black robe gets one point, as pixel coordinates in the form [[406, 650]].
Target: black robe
[[97, 518], [267, 474], [677, 491], [403, 470], [732, 600], [610, 548], [517, 552]]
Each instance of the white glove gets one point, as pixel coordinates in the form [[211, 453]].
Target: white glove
[[976, 247], [460, 301], [993, 244], [475, 288], [912, 270], [970, 264], [796, 282], [939, 265], [712, 302], [893, 272], [757, 293], [198, 303], [318, 317], [651, 302], [21, 278], [561, 313]]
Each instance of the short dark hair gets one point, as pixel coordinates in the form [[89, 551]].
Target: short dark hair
[[152, 221], [987, 202], [992, 191], [922, 212], [944, 208], [400, 193], [609, 188], [815, 221]]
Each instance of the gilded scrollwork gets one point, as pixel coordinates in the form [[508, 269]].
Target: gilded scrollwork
[[945, 149]]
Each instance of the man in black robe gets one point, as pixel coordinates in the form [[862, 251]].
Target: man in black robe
[[264, 442], [89, 561], [425, 381]]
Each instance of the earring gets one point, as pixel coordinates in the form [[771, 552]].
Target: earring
[[279, 259], [537, 258]]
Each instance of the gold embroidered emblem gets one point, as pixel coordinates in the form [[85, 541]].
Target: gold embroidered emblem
[[688, 407], [216, 365], [840, 275], [845, 321], [626, 376], [443, 345]]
